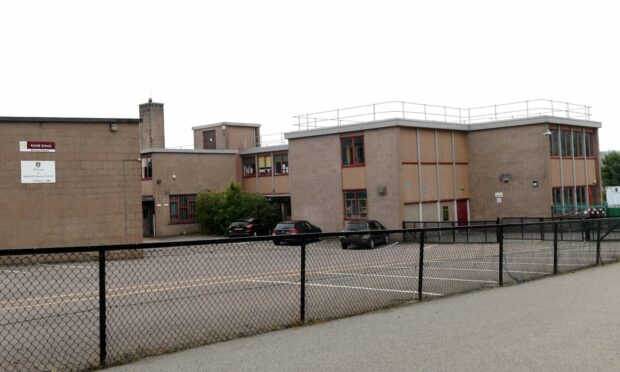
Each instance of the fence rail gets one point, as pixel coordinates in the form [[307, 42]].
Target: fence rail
[[81, 308]]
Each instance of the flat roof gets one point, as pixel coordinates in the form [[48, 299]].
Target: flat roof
[[428, 124], [31, 119], [189, 151], [263, 149], [229, 123]]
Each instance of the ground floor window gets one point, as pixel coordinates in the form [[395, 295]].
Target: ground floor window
[[445, 213], [182, 208], [355, 205]]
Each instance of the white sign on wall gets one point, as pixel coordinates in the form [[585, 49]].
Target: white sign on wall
[[38, 171]]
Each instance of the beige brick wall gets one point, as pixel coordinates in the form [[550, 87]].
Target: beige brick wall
[[383, 169], [522, 152], [316, 182], [152, 135], [194, 173], [96, 197]]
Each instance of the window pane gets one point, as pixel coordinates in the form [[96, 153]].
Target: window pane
[[554, 145], [359, 150], [347, 151]]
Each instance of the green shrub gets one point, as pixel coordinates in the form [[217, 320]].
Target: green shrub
[[216, 210]]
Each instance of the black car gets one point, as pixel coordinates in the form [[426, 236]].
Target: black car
[[286, 231], [247, 227], [371, 233]]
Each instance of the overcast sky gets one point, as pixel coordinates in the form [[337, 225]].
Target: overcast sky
[[265, 61]]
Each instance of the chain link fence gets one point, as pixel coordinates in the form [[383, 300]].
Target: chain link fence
[[86, 307]]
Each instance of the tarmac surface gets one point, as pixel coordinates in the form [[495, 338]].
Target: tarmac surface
[[568, 322]]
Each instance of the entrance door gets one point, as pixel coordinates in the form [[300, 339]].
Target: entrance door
[[461, 211], [148, 209]]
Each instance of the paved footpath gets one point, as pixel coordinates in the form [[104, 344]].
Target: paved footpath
[[570, 322]]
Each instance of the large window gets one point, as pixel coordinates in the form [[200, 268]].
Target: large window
[[147, 168], [281, 163], [589, 144], [264, 165], [581, 195], [578, 137], [355, 205], [567, 143], [555, 143], [182, 208], [352, 150], [249, 166], [557, 196], [569, 196]]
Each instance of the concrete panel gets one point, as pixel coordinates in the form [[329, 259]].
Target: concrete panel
[[411, 212], [239, 137], [460, 147], [556, 179], [265, 185], [462, 181], [427, 146], [429, 183], [411, 185], [446, 182], [408, 145], [593, 171], [354, 178], [567, 165], [429, 212], [249, 185], [282, 184], [146, 187], [444, 140], [580, 172]]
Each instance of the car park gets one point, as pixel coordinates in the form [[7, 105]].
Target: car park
[[370, 233], [287, 231], [247, 227]]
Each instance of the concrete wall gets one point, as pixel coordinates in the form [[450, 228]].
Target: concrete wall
[[316, 181], [96, 197], [229, 138], [194, 173], [152, 135], [522, 152]]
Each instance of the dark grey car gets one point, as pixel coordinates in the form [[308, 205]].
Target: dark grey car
[[371, 234]]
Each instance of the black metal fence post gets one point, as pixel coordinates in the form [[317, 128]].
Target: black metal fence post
[[598, 242], [103, 339], [302, 307], [522, 229], [453, 232], [500, 240], [421, 265], [542, 229], [555, 247]]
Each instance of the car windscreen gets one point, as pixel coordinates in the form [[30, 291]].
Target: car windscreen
[[356, 226], [239, 224], [284, 226]]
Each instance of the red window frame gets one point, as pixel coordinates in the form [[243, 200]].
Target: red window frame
[[268, 170], [356, 215], [354, 161], [179, 203]]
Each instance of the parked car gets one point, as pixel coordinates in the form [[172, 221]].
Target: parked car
[[286, 231], [371, 234], [247, 227]]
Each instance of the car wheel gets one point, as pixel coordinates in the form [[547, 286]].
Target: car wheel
[[371, 243], [344, 245]]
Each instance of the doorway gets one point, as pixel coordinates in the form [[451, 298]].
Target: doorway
[[461, 212], [148, 215]]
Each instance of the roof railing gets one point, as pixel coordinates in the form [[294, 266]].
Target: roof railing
[[444, 114]]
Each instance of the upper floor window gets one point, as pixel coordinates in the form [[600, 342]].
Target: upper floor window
[[578, 137], [249, 166], [554, 143], [264, 165], [352, 150], [589, 150], [567, 143], [147, 168], [182, 208], [281, 163]]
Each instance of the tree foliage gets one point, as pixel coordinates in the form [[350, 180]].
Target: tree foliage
[[610, 169], [216, 210]]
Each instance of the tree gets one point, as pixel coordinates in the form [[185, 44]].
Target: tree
[[216, 210], [610, 169]]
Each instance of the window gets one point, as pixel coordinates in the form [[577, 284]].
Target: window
[[569, 197], [352, 150], [182, 208], [557, 196], [581, 195], [147, 168], [555, 143], [578, 136], [264, 165], [355, 205], [567, 143], [281, 162], [446, 213], [589, 144], [249, 166]]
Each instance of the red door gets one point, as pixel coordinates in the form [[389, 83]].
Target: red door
[[461, 211]]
